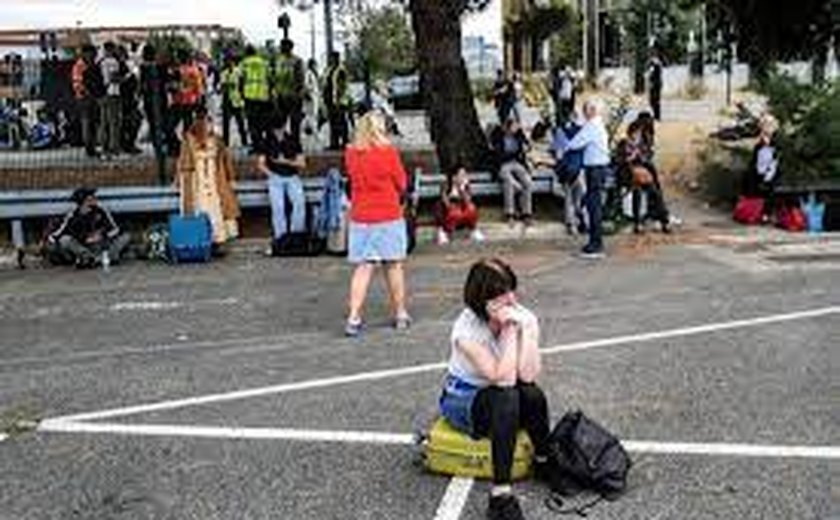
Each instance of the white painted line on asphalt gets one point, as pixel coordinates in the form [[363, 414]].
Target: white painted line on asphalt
[[145, 306], [253, 392], [690, 331], [370, 437], [735, 450], [225, 432], [431, 367], [158, 306], [454, 499]]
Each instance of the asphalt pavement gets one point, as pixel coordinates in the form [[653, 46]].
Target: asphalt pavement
[[693, 404]]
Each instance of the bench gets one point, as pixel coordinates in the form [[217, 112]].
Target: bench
[[17, 206]]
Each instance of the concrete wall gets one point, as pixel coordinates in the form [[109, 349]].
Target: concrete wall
[[676, 77]]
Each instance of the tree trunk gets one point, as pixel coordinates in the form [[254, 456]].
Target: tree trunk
[[455, 127]]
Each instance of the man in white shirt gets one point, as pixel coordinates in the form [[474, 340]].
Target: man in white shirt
[[593, 139], [111, 104]]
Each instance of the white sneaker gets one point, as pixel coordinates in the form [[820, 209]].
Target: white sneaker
[[477, 236], [442, 237]]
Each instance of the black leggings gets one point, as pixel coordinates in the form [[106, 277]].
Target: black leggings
[[656, 204], [500, 412]]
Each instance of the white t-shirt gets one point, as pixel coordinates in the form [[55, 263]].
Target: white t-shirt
[[470, 328], [767, 163], [110, 75]]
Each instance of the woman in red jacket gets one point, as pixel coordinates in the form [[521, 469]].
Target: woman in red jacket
[[377, 228]]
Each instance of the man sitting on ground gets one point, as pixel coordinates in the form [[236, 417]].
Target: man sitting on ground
[[87, 234]]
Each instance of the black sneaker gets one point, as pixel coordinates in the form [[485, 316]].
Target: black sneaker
[[504, 507], [591, 253]]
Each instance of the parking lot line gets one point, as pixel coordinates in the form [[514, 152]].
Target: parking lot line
[[691, 331], [373, 437], [225, 432], [431, 367], [454, 499], [733, 449]]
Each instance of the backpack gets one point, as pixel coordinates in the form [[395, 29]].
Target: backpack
[[584, 455], [302, 243], [792, 218], [749, 210]]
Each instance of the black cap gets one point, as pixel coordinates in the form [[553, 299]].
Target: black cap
[[80, 194]]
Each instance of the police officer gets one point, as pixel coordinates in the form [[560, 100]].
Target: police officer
[[337, 101], [255, 91], [289, 82], [233, 104]]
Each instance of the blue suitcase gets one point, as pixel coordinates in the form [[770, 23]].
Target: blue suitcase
[[190, 238]]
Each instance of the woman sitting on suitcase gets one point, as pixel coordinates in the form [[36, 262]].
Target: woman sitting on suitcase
[[490, 389], [205, 179]]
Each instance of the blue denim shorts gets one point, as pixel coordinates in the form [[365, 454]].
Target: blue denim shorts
[[456, 403], [380, 242]]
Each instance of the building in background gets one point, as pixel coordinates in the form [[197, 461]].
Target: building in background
[[31, 43]]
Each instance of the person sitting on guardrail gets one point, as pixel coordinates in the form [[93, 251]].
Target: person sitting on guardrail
[[490, 389], [456, 209], [88, 234], [511, 146], [763, 176], [205, 179], [281, 159], [635, 167]]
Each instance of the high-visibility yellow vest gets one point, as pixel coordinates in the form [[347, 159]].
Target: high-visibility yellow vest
[[230, 86], [255, 71], [337, 86], [285, 83]]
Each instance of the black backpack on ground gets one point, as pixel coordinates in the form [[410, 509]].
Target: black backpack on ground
[[583, 455], [298, 244]]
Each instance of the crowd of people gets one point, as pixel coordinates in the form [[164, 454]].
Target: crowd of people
[[115, 95]]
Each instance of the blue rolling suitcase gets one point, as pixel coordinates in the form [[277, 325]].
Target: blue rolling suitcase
[[190, 238]]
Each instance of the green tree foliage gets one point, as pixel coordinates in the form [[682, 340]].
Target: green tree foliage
[[809, 133], [567, 43], [667, 21], [384, 41], [168, 45], [771, 31]]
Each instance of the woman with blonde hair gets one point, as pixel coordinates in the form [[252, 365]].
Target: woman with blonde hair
[[763, 176], [205, 178], [377, 233]]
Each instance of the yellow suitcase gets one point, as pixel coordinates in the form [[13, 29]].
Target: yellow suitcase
[[448, 451]]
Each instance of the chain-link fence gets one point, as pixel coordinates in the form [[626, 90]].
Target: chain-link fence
[[55, 132]]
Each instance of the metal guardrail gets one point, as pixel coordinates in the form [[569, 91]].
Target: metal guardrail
[[16, 206], [824, 186]]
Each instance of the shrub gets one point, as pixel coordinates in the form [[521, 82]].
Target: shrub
[[722, 167], [809, 132]]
